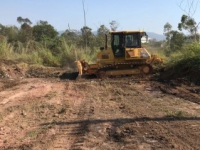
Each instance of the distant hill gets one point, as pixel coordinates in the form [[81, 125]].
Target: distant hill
[[151, 35], [156, 36]]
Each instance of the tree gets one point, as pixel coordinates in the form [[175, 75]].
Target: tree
[[41, 22], [187, 21], [71, 36], [20, 20], [26, 29], [101, 35], [188, 24], [167, 29], [87, 35], [102, 30], [23, 20], [44, 31], [177, 40], [167, 32], [114, 25], [10, 32]]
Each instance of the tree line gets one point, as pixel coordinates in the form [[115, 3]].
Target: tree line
[[43, 32], [44, 42], [176, 39]]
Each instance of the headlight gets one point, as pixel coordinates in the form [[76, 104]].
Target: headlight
[[144, 54], [98, 60]]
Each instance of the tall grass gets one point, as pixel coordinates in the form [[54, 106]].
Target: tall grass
[[37, 53], [155, 50], [6, 50], [70, 53]]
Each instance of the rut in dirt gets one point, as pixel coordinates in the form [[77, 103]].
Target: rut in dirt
[[70, 135]]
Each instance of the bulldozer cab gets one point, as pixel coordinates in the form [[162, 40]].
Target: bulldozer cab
[[120, 41]]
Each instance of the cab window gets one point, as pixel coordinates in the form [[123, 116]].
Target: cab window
[[117, 45], [132, 40]]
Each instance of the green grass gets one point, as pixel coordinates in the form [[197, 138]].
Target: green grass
[[188, 52], [37, 53], [35, 133], [6, 50], [32, 134], [175, 114]]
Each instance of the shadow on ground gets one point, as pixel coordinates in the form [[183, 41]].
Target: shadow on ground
[[125, 120], [69, 76], [75, 76]]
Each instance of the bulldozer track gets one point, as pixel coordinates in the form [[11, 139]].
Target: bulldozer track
[[121, 69], [119, 64]]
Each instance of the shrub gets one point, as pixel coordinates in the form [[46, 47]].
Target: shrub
[[185, 63]]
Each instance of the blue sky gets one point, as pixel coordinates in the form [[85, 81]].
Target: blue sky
[[149, 15]]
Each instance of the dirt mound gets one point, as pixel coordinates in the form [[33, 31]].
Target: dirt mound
[[185, 77], [184, 71], [44, 72], [14, 70]]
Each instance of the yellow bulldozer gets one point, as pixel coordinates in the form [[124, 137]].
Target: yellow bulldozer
[[124, 56]]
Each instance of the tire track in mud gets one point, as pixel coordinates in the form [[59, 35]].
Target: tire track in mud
[[81, 129], [180, 92], [71, 134], [174, 138]]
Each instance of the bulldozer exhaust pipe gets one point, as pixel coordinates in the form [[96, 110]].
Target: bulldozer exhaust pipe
[[106, 41]]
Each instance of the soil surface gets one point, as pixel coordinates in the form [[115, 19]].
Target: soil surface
[[42, 110]]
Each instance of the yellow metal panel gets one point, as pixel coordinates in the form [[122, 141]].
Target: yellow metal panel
[[134, 52]]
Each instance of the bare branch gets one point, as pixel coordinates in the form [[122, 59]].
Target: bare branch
[[196, 5], [83, 3], [189, 8], [181, 7], [197, 26]]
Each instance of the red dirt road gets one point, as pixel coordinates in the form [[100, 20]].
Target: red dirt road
[[120, 113]]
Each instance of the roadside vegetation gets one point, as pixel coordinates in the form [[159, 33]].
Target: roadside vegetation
[[185, 63], [42, 44]]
